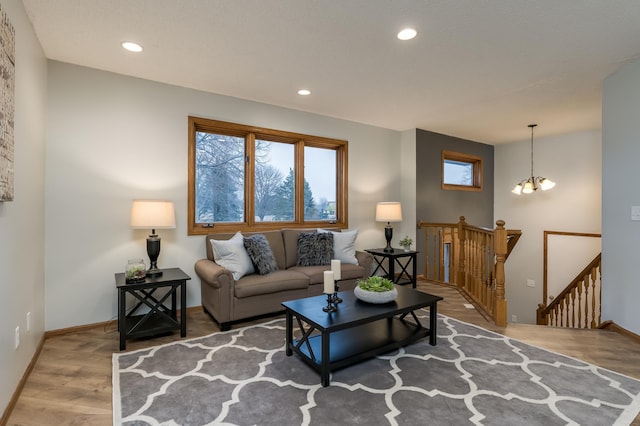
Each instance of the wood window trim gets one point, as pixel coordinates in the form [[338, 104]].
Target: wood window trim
[[465, 158], [250, 133]]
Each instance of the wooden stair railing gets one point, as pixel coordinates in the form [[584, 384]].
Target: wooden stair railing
[[471, 258], [578, 305]]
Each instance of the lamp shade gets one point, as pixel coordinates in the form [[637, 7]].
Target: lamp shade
[[152, 214], [389, 211]]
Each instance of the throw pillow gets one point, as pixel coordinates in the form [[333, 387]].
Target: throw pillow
[[259, 251], [315, 248], [231, 254], [344, 245]]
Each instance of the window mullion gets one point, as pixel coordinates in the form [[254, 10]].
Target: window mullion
[[299, 176], [250, 181], [342, 184]]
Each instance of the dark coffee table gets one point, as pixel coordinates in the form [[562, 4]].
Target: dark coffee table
[[357, 330]]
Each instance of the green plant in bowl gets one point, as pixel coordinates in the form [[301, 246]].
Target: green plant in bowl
[[376, 283], [376, 289]]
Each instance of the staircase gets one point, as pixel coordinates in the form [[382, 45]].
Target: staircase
[[471, 258], [578, 305]]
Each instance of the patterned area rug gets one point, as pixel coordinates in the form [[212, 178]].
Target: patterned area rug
[[472, 376]]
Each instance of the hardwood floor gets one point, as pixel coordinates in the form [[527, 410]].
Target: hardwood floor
[[71, 381]]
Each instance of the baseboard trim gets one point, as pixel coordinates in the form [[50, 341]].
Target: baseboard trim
[[48, 334], [16, 394], [68, 330], [63, 331], [610, 325]]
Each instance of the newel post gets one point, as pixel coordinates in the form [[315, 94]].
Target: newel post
[[461, 275], [541, 318], [500, 249]]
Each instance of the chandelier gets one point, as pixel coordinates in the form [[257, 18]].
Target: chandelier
[[531, 184]]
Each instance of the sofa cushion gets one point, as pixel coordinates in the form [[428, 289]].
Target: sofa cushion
[[281, 280], [232, 255], [275, 239], [260, 253], [315, 248], [290, 242], [344, 245]]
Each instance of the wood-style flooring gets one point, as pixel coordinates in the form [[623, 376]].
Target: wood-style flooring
[[71, 381]]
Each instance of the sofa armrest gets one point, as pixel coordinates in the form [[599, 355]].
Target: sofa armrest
[[213, 274], [366, 261], [216, 291]]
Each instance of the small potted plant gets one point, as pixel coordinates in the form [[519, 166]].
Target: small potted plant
[[406, 243], [375, 289]]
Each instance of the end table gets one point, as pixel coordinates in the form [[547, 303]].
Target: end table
[[160, 318], [397, 257]]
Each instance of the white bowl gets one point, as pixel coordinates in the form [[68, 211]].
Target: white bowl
[[375, 296]]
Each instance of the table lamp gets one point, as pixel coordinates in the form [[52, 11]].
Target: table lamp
[[388, 211], [153, 214]]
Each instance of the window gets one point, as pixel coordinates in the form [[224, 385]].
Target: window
[[462, 172], [244, 178]]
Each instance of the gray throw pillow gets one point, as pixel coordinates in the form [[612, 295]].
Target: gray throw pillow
[[315, 248], [260, 253]]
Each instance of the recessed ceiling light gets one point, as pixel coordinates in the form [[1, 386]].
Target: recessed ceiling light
[[131, 46], [407, 34], [304, 92]]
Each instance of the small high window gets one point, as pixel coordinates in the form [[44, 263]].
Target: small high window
[[461, 172]]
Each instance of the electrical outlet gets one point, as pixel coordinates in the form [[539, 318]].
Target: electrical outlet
[[28, 321], [17, 336], [531, 283], [514, 318]]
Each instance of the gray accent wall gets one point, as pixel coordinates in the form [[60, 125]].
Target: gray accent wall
[[433, 204]]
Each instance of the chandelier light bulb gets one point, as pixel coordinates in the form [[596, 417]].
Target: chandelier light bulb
[[518, 189], [546, 184], [528, 187]]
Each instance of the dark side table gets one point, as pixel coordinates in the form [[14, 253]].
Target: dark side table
[[161, 317], [398, 257]]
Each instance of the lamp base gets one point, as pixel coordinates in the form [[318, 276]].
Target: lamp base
[[388, 234], [153, 251], [154, 273]]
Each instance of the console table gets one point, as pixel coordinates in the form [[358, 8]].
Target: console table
[[161, 318], [397, 257]]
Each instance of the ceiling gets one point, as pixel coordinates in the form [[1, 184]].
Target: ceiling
[[478, 69]]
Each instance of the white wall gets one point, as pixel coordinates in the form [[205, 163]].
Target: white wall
[[573, 161], [112, 138], [620, 235], [22, 220]]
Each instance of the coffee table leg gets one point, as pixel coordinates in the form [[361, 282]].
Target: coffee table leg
[[324, 364], [433, 323], [289, 322]]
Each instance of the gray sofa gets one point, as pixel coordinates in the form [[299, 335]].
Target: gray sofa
[[228, 300]]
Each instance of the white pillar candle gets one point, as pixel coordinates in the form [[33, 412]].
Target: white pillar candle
[[329, 285], [335, 268]]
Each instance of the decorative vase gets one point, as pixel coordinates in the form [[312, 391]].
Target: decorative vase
[[135, 271], [407, 248], [375, 296]]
